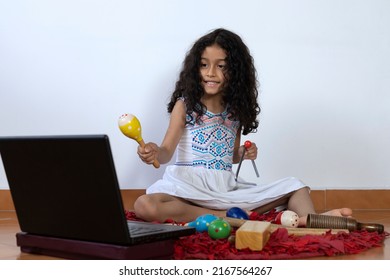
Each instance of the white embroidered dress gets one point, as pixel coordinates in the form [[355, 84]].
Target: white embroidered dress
[[203, 172]]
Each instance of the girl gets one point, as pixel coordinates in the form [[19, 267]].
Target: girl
[[214, 102]]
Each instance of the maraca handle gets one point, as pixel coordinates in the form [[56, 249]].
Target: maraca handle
[[156, 164]]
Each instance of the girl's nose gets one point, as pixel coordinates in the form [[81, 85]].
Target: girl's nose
[[211, 72]]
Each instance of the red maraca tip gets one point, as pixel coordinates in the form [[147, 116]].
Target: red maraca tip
[[247, 144]]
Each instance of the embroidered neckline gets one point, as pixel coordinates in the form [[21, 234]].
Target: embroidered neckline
[[211, 114]]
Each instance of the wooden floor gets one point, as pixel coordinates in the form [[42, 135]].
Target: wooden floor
[[10, 251]]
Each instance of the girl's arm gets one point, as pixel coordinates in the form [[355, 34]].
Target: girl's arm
[[237, 151], [174, 132], [165, 151]]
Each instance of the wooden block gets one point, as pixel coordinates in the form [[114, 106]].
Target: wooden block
[[253, 235]]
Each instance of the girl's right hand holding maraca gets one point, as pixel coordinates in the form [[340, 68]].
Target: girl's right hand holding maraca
[[148, 153]]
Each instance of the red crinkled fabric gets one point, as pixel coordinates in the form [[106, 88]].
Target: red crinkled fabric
[[281, 245]]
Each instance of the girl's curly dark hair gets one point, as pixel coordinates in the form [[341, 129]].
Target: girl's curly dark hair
[[240, 93]]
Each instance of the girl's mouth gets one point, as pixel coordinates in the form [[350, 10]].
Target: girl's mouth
[[211, 83]]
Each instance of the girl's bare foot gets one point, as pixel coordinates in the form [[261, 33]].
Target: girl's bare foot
[[344, 212]]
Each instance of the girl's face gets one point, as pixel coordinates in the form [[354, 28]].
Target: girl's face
[[212, 69]]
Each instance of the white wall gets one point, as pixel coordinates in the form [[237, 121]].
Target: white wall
[[73, 67]]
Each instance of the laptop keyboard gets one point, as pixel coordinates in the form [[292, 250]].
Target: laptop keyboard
[[136, 229]]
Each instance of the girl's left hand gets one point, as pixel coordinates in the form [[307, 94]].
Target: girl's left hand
[[251, 152]]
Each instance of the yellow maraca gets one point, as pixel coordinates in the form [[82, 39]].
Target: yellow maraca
[[131, 127]]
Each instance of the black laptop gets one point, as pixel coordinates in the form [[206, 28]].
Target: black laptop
[[67, 187]]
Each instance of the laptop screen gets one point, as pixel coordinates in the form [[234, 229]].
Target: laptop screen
[[65, 186]]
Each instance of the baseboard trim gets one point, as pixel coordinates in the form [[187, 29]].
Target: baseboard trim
[[322, 199], [128, 198]]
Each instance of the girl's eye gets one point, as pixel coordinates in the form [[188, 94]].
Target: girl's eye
[[222, 66], [203, 65]]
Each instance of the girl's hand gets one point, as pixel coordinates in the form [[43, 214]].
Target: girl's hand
[[250, 150], [148, 153]]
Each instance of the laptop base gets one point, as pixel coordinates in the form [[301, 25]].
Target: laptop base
[[85, 250]]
